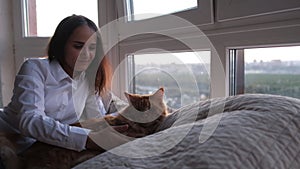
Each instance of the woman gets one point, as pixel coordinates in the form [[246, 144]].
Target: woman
[[51, 94]]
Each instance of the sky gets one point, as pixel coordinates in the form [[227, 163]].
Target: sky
[[291, 53], [176, 58], [49, 13], [159, 6]]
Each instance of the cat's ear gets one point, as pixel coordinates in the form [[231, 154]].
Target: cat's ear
[[159, 93], [128, 96]]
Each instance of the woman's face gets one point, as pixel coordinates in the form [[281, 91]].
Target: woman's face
[[80, 50]]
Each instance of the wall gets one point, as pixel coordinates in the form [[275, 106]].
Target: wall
[[7, 63]]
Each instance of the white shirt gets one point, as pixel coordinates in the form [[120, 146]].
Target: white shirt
[[45, 101]]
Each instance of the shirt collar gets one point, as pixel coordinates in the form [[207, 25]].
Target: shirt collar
[[58, 71]]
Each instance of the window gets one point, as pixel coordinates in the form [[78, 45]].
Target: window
[[42, 17], [174, 29], [143, 9], [184, 75], [148, 11], [270, 70]]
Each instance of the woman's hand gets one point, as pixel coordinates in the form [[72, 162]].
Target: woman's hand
[[107, 138]]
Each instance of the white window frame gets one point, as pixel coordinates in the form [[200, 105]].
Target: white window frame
[[35, 46], [230, 10], [204, 13], [26, 47]]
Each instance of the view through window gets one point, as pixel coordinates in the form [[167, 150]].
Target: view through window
[[184, 75], [272, 70], [42, 17], [144, 9]]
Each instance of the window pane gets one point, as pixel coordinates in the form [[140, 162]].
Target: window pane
[[143, 9], [273, 70], [185, 76], [42, 17]]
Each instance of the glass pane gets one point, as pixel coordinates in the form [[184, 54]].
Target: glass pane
[[143, 9], [185, 76], [42, 17], [273, 70]]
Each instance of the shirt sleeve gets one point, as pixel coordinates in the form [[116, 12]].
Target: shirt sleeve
[[112, 103], [29, 104], [94, 107]]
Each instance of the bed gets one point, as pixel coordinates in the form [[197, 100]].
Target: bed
[[243, 131]]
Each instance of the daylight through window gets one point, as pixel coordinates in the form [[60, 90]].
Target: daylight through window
[[272, 70], [41, 17], [184, 75], [144, 9]]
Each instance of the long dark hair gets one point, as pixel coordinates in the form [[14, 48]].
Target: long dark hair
[[99, 71]]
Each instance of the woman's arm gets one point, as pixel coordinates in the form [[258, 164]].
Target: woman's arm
[[112, 103], [29, 114]]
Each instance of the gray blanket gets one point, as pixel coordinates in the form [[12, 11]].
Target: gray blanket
[[244, 131]]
